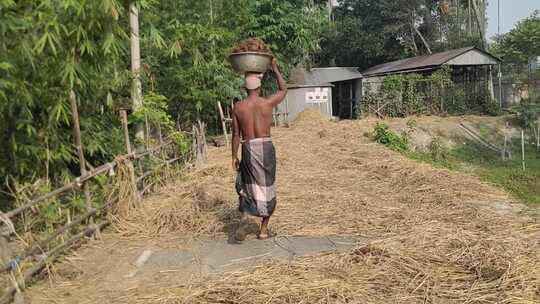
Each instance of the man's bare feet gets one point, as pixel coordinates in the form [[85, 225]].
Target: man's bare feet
[[264, 236], [264, 233]]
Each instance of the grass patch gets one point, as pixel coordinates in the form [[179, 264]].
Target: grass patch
[[488, 165], [473, 158]]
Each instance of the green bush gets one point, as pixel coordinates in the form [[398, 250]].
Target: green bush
[[383, 135], [437, 150]]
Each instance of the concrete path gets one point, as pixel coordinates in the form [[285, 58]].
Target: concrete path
[[216, 256]]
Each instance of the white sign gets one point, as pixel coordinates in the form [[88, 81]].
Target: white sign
[[320, 95]]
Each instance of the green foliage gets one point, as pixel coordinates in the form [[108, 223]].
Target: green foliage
[[509, 175], [50, 47], [370, 32], [516, 48], [46, 50], [182, 141], [528, 114], [190, 67], [521, 43], [383, 135], [412, 94], [437, 150], [154, 110], [471, 157]]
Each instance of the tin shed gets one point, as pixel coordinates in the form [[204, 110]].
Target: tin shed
[[334, 91], [303, 97]]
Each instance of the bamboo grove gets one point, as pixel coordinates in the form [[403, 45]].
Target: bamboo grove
[[50, 47]]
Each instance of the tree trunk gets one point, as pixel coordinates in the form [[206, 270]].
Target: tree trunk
[[423, 39], [480, 23]]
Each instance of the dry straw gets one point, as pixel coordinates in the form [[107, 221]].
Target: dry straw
[[425, 235]]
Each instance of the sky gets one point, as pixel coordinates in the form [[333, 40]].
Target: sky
[[511, 12]]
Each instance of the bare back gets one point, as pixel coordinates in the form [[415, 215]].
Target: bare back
[[254, 117]]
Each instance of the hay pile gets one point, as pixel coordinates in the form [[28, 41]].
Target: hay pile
[[122, 196], [310, 118], [431, 235], [383, 272], [191, 207]]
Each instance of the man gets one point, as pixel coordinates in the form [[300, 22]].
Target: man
[[252, 119]]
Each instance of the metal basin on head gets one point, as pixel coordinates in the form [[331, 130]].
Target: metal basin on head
[[250, 62]]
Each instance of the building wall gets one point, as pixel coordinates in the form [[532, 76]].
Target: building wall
[[371, 85], [296, 102], [359, 93], [473, 57]]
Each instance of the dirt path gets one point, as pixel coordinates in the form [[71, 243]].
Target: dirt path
[[441, 236]]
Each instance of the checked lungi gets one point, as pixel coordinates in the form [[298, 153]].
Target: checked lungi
[[256, 177]]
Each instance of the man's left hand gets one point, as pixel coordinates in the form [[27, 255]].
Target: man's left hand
[[236, 164]]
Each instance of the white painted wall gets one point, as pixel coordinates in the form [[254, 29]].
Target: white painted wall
[[296, 102], [472, 57]]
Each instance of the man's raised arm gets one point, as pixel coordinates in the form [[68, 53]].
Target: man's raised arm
[[282, 86]]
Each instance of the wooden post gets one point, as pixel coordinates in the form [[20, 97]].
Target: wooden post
[[200, 143], [123, 117], [538, 133], [223, 125], [523, 149], [491, 88], [147, 132], [80, 151], [351, 100], [505, 132]]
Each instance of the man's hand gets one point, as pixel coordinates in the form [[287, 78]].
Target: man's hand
[[236, 164], [282, 86], [274, 64]]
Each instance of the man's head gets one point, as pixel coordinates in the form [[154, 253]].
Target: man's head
[[252, 82]]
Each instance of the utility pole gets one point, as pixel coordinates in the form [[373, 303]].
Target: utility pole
[[136, 90], [499, 72], [498, 17]]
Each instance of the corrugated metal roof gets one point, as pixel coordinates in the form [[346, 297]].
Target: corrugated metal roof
[[299, 86], [324, 75], [426, 61]]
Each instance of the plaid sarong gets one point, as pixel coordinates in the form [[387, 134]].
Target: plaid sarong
[[256, 177]]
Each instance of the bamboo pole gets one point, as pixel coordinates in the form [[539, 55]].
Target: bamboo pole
[[37, 247], [47, 258], [74, 184], [80, 150], [123, 116], [136, 90]]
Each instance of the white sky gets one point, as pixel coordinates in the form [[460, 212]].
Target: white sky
[[511, 12]]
